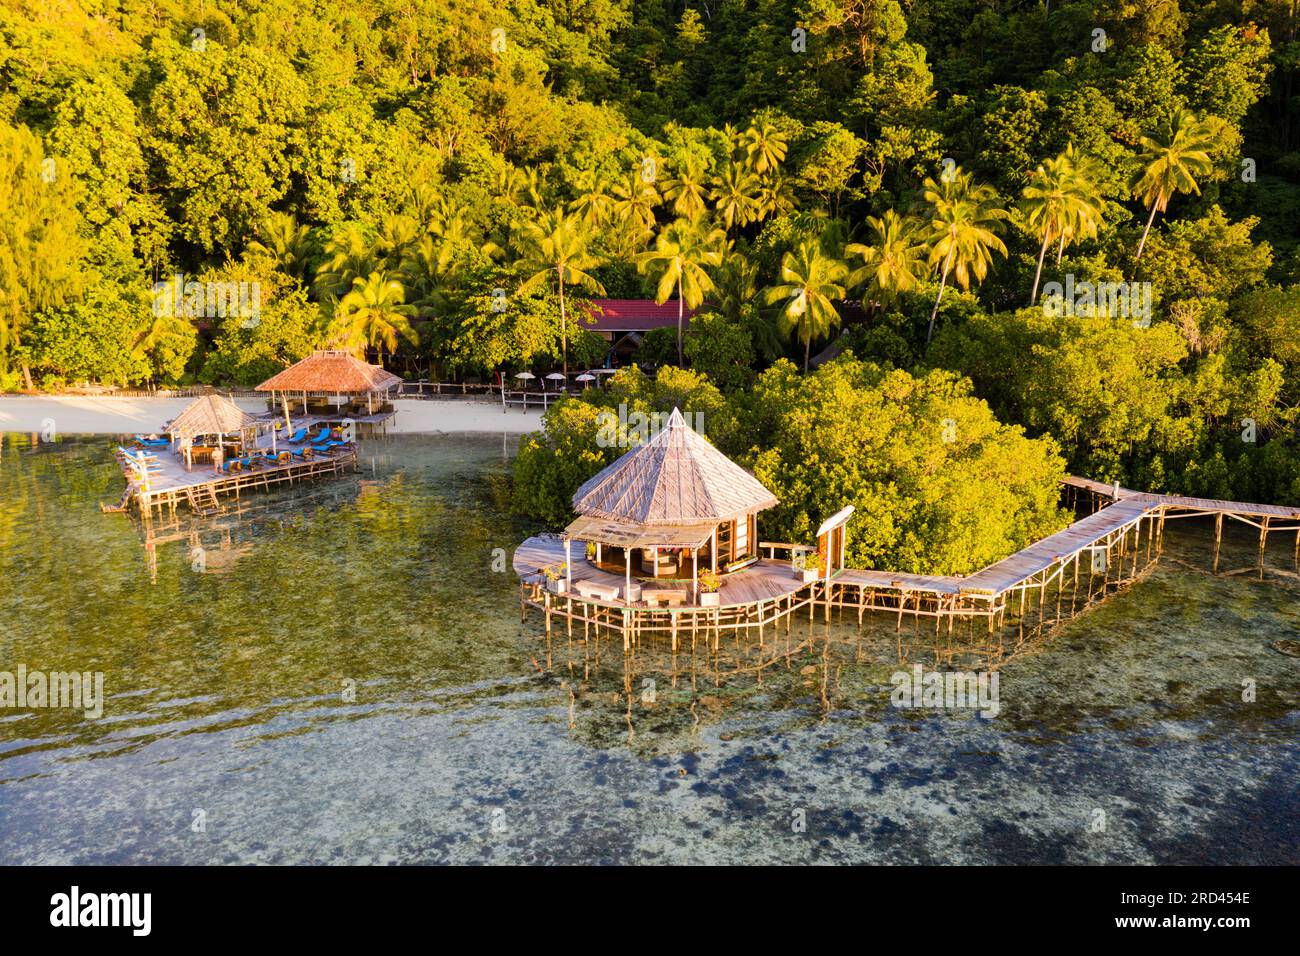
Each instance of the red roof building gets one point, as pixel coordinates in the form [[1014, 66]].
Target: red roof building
[[616, 317]]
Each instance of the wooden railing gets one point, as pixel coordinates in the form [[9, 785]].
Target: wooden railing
[[773, 547]]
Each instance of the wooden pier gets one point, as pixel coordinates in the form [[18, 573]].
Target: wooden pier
[[171, 484], [1098, 554]]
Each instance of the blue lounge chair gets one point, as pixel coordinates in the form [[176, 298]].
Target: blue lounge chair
[[298, 438], [243, 463], [322, 435], [153, 442]]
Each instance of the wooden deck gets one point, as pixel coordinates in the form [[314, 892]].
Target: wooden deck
[[759, 583], [1105, 547], [199, 487]]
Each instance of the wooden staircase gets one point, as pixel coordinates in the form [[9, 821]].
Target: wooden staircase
[[203, 500]]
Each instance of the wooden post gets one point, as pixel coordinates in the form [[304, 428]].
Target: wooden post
[[1218, 539], [1263, 543]]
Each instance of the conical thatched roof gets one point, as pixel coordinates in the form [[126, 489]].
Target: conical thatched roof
[[211, 415], [331, 371], [675, 478]]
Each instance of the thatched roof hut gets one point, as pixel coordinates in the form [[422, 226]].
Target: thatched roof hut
[[675, 478], [211, 415], [670, 504], [335, 372]]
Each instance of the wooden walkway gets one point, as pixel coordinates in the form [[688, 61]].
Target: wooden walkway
[[1116, 543], [200, 488]]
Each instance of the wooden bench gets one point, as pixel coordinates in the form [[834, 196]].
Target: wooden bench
[[602, 592], [671, 598]]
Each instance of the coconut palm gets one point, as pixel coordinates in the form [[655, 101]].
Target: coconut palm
[[398, 235], [283, 241], [1172, 158], [681, 253], [775, 196], [348, 254], [686, 190], [893, 262], [1061, 202], [765, 147], [964, 219], [555, 248], [810, 286], [593, 204], [374, 313], [734, 195], [635, 199], [736, 283]]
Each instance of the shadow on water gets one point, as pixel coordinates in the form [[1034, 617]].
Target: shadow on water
[[338, 672]]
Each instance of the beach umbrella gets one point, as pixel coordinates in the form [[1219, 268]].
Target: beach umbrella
[[586, 377], [525, 375], [556, 376]]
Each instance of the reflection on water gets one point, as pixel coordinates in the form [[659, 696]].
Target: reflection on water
[[338, 672]]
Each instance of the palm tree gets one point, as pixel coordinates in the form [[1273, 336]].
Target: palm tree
[[964, 219], [892, 263], [810, 287], [373, 313], [635, 199], [348, 254], [765, 147], [593, 204], [1061, 202], [775, 197], [162, 324], [734, 195], [398, 235], [686, 190], [736, 282], [555, 247], [1172, 158], [681, 253], [284, 242]]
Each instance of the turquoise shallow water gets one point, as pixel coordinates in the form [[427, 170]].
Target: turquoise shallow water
[[340, 674]]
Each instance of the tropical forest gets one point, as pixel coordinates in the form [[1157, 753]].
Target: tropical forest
[[925, 254]]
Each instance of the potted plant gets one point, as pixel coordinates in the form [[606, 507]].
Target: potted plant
[[807, 566], [555, 578], [591, 551], [709, 584]]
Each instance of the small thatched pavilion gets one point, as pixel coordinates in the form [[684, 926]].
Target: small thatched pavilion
[[213, 415], [330, 372], [666, 505]]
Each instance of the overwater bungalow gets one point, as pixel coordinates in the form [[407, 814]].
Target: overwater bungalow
[[667, 537], [666, 542], [333, 385], [214, 448], [669, 508]]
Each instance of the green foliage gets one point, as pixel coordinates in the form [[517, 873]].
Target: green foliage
[[912, 455], [91, 340], [249, 350], [553, 464], [722, 350]]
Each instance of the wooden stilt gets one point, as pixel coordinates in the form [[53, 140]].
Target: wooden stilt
[[1218, 539]]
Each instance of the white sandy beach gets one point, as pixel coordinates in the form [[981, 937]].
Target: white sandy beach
[[86, 415]]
